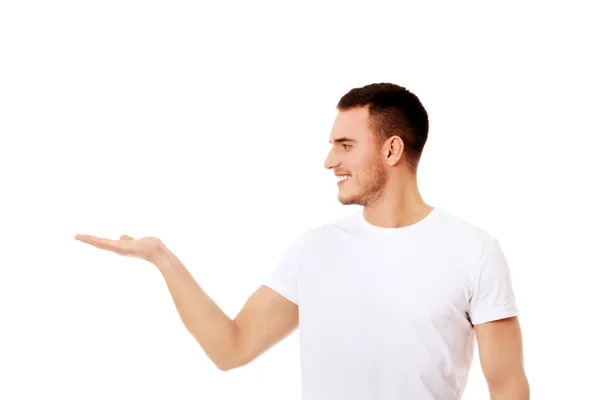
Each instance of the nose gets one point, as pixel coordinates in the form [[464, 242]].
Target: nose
[[330, 161]]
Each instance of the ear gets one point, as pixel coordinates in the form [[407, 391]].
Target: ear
[[393, 148]]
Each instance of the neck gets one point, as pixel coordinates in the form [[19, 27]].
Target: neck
[[400, 204]]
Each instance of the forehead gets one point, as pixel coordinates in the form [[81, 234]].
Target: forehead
[[352, 124]]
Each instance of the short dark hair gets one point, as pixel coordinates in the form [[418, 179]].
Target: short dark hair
[[393, 110]]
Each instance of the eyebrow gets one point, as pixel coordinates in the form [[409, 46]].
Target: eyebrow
[[343, 139]]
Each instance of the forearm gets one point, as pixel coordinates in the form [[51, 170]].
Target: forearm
[[209, 325]]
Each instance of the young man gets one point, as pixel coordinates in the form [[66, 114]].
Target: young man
[[389, 300]]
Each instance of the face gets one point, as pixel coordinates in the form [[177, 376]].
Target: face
[[356, 158]]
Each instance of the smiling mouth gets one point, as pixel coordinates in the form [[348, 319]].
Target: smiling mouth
[[343, 178]]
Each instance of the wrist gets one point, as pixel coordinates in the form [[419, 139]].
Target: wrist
[[161, 257]]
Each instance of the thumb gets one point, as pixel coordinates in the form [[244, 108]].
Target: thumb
[[125, 237]]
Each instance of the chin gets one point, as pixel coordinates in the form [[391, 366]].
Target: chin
[[349, 200]]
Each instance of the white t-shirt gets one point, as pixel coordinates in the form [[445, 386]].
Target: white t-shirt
[[387, 313]]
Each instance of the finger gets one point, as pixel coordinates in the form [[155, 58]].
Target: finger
[[125, 237], [101, 243]]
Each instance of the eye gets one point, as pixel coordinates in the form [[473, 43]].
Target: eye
[[346, 146]]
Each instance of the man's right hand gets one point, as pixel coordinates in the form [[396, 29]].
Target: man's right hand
[[147, 248]]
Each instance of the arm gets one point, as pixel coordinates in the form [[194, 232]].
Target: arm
[[265, 319], [501, 356]]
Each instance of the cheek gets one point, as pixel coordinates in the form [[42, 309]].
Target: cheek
[[359, 163]]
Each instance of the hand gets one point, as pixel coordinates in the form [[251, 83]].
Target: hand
[[147, 248]]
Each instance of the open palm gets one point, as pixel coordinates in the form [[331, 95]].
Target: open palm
[[146, 248]]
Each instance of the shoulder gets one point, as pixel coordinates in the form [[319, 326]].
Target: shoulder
[[345, 225], [469, 244], [461, 230]]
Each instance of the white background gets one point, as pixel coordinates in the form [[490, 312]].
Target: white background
[[207, 125]]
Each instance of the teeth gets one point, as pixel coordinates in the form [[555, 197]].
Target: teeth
[[343, 177]]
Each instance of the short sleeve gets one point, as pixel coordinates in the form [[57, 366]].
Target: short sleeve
[[284, 278], [493, 296]]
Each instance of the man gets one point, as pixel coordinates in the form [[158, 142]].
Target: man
[[388, 300]]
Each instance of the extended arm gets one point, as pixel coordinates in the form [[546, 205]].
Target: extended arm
[[265, 319]]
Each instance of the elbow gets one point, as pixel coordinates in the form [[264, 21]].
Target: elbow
[[231, 364], [223, 367], [226, 364], [226, 354], [230, 360]]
